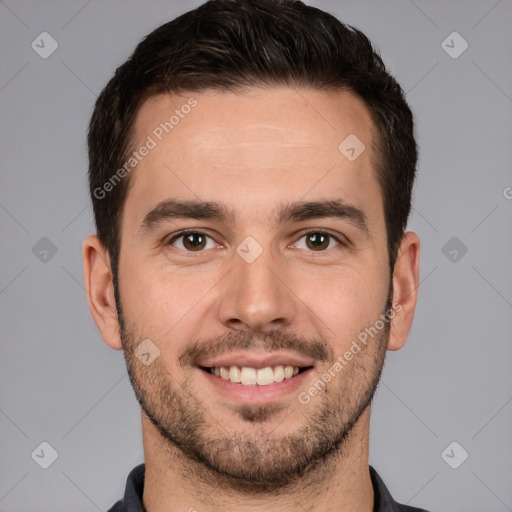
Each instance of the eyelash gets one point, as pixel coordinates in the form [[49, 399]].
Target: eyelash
[[186, 232]]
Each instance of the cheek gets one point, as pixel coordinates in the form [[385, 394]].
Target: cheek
[[159, 298], [349, 303]]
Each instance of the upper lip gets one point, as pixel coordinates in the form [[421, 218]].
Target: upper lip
[[256, 360]]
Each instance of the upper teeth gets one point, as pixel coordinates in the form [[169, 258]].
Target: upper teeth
[[251, 376]]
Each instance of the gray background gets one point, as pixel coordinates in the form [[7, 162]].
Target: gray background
[[452, 382]]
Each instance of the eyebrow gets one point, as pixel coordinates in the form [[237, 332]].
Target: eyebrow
[[172, 209]]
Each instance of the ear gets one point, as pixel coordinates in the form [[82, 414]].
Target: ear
[[100, 290], [405, 289]]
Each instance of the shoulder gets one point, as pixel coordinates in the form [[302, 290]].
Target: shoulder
[[132, 500], [118, 507], [406, 508], [384, 502]]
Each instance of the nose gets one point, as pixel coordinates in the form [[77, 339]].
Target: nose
[[257, 296]]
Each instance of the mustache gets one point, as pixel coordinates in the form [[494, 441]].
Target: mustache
[[316, 349]]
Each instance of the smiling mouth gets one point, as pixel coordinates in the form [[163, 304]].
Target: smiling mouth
[[248, 376]]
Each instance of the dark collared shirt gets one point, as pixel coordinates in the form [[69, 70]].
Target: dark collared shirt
[[132, 501]]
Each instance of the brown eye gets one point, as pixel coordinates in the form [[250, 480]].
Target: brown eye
[[317, 241], [191, 241], [194, 241]]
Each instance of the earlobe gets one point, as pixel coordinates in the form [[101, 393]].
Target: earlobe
[[405, 289], [100, 290]]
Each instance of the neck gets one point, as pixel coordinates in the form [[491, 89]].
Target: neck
[[339, 483]]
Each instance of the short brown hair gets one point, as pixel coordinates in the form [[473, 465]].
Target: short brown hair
[[229, 44]]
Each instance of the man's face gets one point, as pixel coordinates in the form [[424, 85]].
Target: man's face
[[262, 283]]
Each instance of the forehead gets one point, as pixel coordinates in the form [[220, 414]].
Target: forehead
[[253, 148], [277, 116]]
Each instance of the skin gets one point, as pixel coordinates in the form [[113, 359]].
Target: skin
[[253, 152]]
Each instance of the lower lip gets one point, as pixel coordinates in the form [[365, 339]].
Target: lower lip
[[256, 394]]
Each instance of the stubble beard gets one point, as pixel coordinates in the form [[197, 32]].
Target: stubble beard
[[264, 454]]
